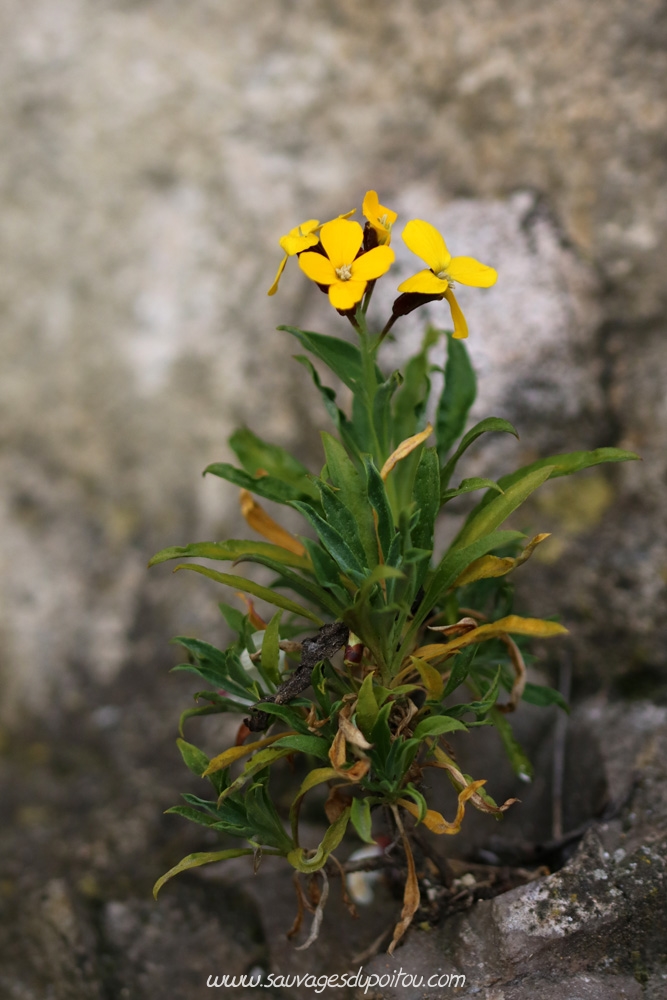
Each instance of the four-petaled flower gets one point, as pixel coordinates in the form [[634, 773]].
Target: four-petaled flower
[[300, 238], [426, 242], [380, 218], [345, 273]]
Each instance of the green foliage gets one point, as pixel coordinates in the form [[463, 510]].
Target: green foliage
[[427, 637]]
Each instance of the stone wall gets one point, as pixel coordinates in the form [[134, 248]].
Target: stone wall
[[153, 154]]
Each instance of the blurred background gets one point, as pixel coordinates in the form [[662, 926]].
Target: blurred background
[[153, 154]]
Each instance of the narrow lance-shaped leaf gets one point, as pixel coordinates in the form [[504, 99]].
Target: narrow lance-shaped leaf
[[204, 858], [360, 815], [565, 465], [457, 397], [256, 456], [250, 587], [511, 625], [485, 518], [468, 486], [352, 491], [489, 425], [230, 551], [332, 838], [343, 358], [262, 486]]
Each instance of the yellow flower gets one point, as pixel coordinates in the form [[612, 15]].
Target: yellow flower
[[345, 274], [300, 238], [297, 240], [426, 242], [380, 218]]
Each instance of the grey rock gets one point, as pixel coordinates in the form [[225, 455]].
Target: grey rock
[[602, 917]]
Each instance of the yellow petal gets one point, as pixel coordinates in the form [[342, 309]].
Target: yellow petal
[[469, 271], [426, 283], [404, 449], [318, 268], [425, 240], [305, 228], [292, 243], [373, 264], [264, 525], [341, 239], [380, 217], [346, 294], [460, 325], [274, 287], [346, 215], [371, 205]]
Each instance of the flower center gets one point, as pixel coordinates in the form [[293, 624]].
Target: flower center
[[444, 276], [384, 221], [345, 272]]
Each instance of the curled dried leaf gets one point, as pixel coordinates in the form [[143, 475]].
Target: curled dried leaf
[[411, 896], [262, 522], [435, 821], [352, 734], [404, 449]]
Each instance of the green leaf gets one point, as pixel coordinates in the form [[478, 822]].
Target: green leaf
[[256, 455], [382, 409], [225, 705], [380, 503], [345, 428], [380, 735], [265, 822], [194, 758], [353, 493], [250, 587], [457, 397], [196, 860], [231, 550], [411, 399], [341, 518], [489, 425], [436, 725], [260, 760], [343, 358], [367, 707], [288, 713], [426, 495], [460, 669], [540, 694], [236, 620], [334, 543], [314, 745], [303, 586], [263, 486], [520, 763], [418, 799], [327, 571], [213, 665], [270, 655], [567, 464], [330, 842], [468, 486], [194, 815], [360, 815], [486, 517], [452, 565]]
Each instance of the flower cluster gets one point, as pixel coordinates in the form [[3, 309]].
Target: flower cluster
[[345, 261]]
